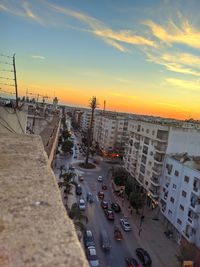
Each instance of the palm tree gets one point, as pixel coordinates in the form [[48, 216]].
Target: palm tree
[[93, 104], [76, 215], [67, 182]]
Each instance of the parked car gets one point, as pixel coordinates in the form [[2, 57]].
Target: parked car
[[104, 204], [131, 262], [125, 224], [101, 195], [105, 240], [100, 178], [115, 206], [82, 204], [143, 256], [71, 168], [117, 233], [92, 256], [90, 197], [80, 178], [109, 214], [104, 187], [88, 238], [78, 190]]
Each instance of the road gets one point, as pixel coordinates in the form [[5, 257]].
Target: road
[[97, 219]]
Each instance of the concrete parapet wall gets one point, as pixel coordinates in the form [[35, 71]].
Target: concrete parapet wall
[[35, 230]]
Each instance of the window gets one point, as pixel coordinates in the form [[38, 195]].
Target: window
[[153, 132], [169, 212], [181, 207], [174, 186], [147, 130], [179, 221], [172, 199], [176, 173], [184, 194], [186, 179]]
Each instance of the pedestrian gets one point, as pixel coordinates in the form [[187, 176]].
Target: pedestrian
[[131, 211]]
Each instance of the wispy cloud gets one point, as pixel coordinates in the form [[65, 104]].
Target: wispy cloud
[[38, 57], [188, 85], [173, 33], [29, 13], [98, 28]]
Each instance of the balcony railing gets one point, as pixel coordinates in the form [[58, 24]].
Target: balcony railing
[[155, 181]]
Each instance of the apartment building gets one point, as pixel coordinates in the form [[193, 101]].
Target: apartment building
[[111, 131], [85, 121], [149, 141], [180, 196]]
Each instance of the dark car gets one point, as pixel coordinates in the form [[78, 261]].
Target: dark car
[[104, 187], [117, 233], [131, 262], [92, 256], [101, 195], [88, 238], [90, 197], [78, 190], [104, 204], [143, 256], [109, 214], [105, 240], [115, 206]]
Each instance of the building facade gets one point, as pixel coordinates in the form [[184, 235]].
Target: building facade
[[180, 196]]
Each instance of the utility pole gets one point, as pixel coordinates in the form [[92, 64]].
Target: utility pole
[[15, 79]]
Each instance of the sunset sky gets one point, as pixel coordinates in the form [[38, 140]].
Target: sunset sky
[[141, 56]]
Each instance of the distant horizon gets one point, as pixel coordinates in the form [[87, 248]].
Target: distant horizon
[[140, 56]]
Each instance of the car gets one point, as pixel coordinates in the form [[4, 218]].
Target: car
[[116, 207], [78, 190], [90, 197], [109, 214], [131, 262], [88, 238], [71, 168], [105, 240], [92, 256], [75, 156], [104, 204], [143, 256], [104, 187], [101, 195], [80, 178], [117, 233], [100, 178], [125, 225], [82, 204]]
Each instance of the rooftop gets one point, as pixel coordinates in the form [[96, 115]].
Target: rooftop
[[187, 160], [35, 229]]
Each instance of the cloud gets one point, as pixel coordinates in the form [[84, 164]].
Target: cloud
[[98, 28], [37, 57], [181, 34], [189, 85], [29, 13]]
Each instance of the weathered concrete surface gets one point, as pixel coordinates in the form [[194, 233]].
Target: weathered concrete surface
[[34, 227]]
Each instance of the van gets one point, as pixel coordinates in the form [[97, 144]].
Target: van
[[104, 240]]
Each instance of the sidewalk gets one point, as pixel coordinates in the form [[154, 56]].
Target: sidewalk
[[151, 238]]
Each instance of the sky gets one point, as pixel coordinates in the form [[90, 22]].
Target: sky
[[140, 56]]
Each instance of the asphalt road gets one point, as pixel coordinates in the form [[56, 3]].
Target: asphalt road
[[97, 219]]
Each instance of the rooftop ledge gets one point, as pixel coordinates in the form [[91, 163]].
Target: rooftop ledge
[[35, 229]]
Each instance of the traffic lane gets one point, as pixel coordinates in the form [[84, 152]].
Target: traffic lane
[[98, 221]]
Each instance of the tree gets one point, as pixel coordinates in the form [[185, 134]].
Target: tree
[[136, 200], [120, 176], [62, 168], [129, 186], [76, 215], [67, 146], [93, 105], [67, 182], [66, 134]]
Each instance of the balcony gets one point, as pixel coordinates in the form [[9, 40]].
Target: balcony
[[137, 137], [162, 136], [154, 191], [155, 181], [160, 149], [196, 186], [157, 170], [195, 203], [158, 160], [193, 222]]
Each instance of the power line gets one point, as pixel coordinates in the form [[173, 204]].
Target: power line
[[7, 84], [4, 62], [2, 55], [6, 78]]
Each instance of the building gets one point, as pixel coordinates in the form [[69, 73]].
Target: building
[[180, 196], [111, 131], [149, 141]]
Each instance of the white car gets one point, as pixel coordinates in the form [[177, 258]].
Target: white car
[[82, 204], [125, 224], [100, 178]]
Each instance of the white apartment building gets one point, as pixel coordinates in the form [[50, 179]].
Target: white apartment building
[[85, 121], [149, 141], [180, 196], [111, 131]]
